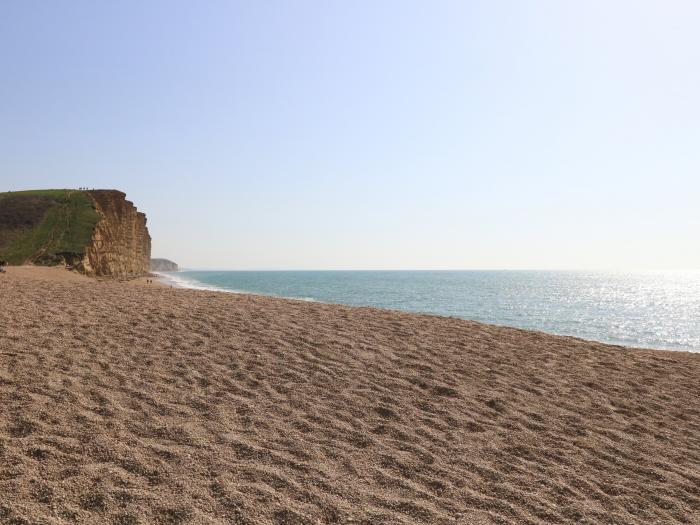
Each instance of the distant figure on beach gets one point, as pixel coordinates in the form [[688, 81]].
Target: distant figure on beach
[[2, 266]]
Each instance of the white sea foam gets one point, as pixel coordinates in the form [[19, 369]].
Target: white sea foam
[[179, 281]]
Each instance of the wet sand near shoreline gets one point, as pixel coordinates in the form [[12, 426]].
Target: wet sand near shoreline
[[127, 404]]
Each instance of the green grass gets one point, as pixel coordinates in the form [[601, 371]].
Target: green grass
[[67, 225], [56, 194]]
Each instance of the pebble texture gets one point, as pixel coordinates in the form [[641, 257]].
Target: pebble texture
[[141, 405]]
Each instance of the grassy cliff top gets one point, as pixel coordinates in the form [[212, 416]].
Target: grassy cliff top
[[37, 225]]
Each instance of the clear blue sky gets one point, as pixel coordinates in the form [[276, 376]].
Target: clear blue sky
[[368, 134]]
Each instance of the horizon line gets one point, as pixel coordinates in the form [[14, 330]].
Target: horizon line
[[219, 269]]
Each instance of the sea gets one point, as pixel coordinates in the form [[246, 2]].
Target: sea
[[641, 309]]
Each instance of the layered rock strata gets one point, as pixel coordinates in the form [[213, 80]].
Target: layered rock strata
[[121, 244]]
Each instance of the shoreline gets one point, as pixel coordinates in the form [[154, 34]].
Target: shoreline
[[180, 284], [134, 404], [168, 279]]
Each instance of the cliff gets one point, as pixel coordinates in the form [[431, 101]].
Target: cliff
[[99, 232], [163, 265], [120, 245]]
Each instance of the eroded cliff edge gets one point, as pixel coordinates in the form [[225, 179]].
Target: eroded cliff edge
[[121, 244]]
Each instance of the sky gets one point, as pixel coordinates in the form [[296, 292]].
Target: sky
[[369, 134]]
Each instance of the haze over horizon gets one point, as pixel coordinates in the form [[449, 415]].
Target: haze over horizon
[[368, 135]]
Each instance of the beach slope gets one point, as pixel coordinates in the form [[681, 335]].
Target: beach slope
[[134, 404]]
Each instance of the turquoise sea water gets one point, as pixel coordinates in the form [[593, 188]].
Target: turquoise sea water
[[653, 310]]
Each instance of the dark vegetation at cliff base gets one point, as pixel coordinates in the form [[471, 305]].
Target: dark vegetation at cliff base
[[45, 226]]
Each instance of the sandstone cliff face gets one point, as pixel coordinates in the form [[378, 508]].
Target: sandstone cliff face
[[121, 244], [163, 265]]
